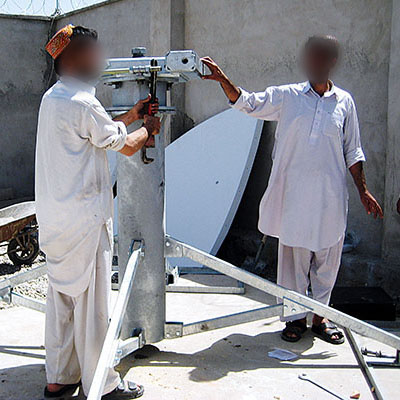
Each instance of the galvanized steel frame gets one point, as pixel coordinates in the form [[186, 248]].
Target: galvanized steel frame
[[293, 303], [113, 349]]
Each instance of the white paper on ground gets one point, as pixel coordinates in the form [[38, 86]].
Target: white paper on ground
[[283, 355]]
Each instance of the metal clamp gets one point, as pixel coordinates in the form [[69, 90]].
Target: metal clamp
[[172, 249], [173, 330], [291, 308]]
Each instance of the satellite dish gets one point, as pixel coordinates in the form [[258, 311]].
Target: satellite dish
[[206, 172]]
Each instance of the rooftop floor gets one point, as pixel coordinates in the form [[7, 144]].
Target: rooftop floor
[[231, 362]]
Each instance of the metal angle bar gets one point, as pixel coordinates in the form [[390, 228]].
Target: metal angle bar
[[127, 347], [174, 248], [111, 342], [291, 308], [205, 289], [28, 302], [23, 277], [367, 371], [233, 319]]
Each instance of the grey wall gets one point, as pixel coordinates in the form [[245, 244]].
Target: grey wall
[[125, 24], [391, 244], [23, 78], [257, 43]]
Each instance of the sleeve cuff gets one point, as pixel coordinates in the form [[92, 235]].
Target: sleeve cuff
[[240, 102], [354, 157], [119, 139]]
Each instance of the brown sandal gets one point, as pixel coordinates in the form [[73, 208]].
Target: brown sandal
[[294, 331]]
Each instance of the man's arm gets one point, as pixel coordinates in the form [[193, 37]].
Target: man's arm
[[136, 140], [137, 111], [263, 105], [368, 201], [231, 91]]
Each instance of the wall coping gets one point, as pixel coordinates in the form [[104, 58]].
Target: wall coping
[[59, 16]]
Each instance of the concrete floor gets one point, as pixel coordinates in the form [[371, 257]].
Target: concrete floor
[[227, 363]]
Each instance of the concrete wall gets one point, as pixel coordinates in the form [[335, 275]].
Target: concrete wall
[[391, 244], [125, 24], [23, 77], [121, 26], [257, 43]]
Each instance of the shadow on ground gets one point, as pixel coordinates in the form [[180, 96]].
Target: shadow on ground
[[233, 353]]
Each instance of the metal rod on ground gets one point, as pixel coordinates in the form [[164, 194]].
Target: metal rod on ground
[[305, 377], [110, 345], [233, 319], [23, 277], [205, 289]]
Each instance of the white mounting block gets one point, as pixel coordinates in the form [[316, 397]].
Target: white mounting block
[[206, 172]]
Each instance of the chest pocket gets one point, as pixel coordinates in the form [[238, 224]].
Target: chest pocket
[[333, 120]]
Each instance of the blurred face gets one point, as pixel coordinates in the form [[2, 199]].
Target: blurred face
[[83, 60], [318, 62]]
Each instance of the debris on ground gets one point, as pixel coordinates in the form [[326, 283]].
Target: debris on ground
[[36, 288], [282, 355], [356, 395]]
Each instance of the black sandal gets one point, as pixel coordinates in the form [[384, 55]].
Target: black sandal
[[125, 390], [295, 329], [65, 389], [326, 331]]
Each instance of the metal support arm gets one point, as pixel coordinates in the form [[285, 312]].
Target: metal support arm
[[112, 350], [297, 302]]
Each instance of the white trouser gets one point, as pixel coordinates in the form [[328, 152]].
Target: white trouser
[[298, 267], [76, 327]]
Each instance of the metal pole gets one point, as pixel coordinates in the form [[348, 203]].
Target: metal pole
[[141, 215], [111, 341]]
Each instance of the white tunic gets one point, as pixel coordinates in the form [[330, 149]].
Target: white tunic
[[316, 140], [72, 184]]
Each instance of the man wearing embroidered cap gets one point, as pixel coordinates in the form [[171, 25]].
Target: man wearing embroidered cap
[[74, 210]]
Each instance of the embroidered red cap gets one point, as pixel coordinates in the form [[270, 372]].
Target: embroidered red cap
[[60, 41]]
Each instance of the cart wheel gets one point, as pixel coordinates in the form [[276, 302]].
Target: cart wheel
[[23, 252]]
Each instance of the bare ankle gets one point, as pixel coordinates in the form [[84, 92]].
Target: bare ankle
[[54, 387]]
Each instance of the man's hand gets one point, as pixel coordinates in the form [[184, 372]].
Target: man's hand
[[152, 124], [370, 204], [232, 92], [142, 136], [138, 111], [144, 106], [216, 72]]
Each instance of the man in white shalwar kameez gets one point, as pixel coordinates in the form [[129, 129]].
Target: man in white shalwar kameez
[[305, 205], [74, 211]]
